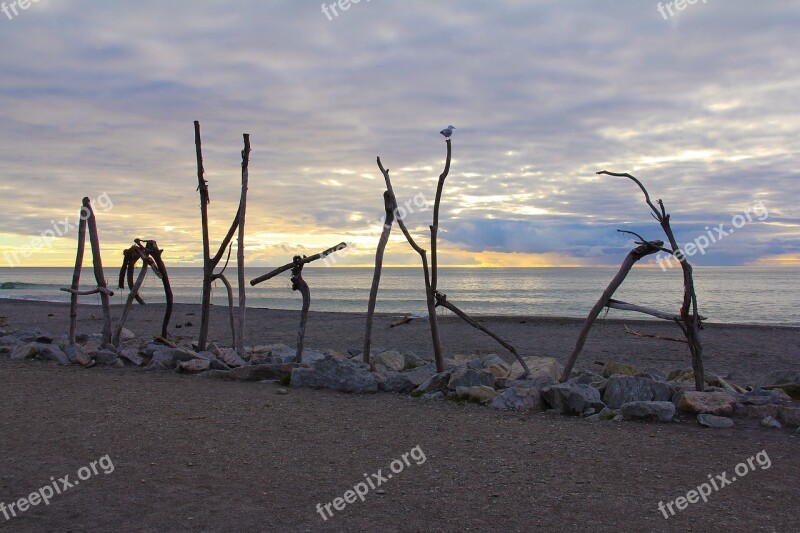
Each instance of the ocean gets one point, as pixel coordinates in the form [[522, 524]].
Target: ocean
[[748, 295]]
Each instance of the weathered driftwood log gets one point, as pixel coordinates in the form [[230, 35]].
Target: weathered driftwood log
[[209, 263], [134, 292], [76, 281], [441, 300], [299, 284], [97, 262], [654, 336], [88, 222], [690, 321], [149, 252], [389, 205], [429, 284], [643, 250], [239, 345]]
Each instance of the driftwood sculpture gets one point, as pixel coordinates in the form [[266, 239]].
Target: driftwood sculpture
[[688, 319], [431, 278], [210, 263], [434, 298], [150, 254], [299, 284], [87, 220]]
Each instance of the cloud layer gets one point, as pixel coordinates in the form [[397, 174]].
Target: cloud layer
[[100, 98]]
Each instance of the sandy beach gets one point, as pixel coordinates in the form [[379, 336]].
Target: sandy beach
[[193, 454]]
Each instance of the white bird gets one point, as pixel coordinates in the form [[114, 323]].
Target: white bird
[[448, 131]]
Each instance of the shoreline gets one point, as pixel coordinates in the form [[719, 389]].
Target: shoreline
[[740, 353]]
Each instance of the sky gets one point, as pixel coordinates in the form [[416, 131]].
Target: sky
[[701, 104]]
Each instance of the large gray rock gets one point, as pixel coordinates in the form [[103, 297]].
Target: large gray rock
[[624, 389], [420, 374], [467, 377], [712, 403], [193, 366], [35, 335], [619, 369], [713, 421], [261, 372], [437, 382], [572, 399], [518, 399], [227, 356], [586, 377], [479, 363], [24, 351], [390, 360], [51, 352], [8, 343], [391, 381], [131, 355], [645, 410], [540, 367], [413, 360], [106, 357], [346, 376], [478, 393], [790, 416], [788, 380], [77, 356]]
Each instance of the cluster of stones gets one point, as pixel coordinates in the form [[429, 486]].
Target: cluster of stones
[[620, 392]]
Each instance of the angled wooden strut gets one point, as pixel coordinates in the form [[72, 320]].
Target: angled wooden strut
[[299, 284]]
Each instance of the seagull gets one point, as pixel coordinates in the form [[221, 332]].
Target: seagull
[[448, 131]]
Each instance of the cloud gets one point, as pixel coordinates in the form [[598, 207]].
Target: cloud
[[702, 107]]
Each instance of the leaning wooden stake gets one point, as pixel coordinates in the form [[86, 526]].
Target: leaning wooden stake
[[389, 205], [129, 302], [689, 320], [97, 263], [441, 300], [210, 263], [76, 281]]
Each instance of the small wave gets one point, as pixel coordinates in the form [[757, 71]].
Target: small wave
[[15, 285]]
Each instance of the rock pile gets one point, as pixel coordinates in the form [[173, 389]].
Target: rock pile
[[620, 392]]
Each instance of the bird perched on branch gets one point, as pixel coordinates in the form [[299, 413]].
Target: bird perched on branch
[[448, 131]]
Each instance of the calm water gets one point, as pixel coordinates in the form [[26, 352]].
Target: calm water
[[726, 294]]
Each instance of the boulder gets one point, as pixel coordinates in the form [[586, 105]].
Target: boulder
[[437, 382], [585, 377], [572, 399], [463, 376], [162, 358], [106, 357], [420, 374], [24, 351], [261, 372], [391, 381], [790, 416], [477, 393], [229, 357], [624, 389], [769, 422], [35, 335], [345, 376], [788, 380], [193, 366], [540, 367], [479, 363], [499, 370], [614, 369], [713, 403], [764, 397], [413, 360], [760, 411], [8, 343], [51, 352], [309, 357], [76, 355], [652, 373], [131, 355], [518, 399], [328, 352], [660, 411], [390, 360], [685, 375], [712, 421], [126, 335]]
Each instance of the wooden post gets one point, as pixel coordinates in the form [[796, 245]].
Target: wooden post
[[97, 262], [239, 345], [76, 280], [389, 205], [131, 296], [299, 284]]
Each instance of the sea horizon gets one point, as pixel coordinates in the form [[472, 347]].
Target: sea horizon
[[737, 294]]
